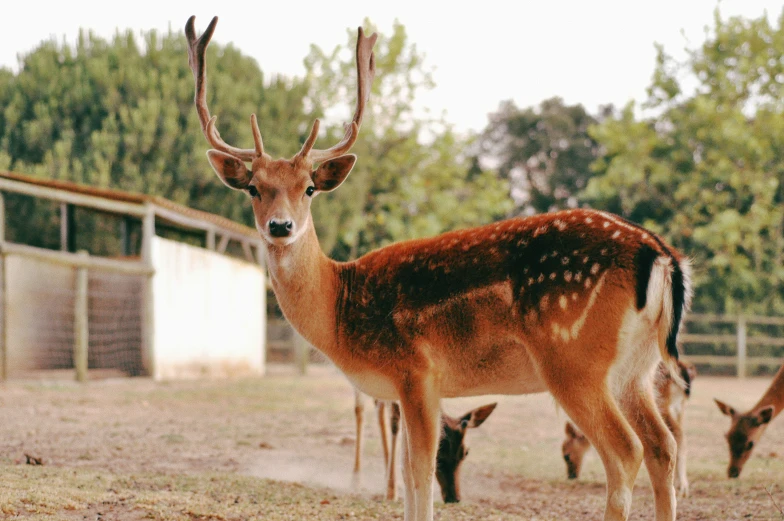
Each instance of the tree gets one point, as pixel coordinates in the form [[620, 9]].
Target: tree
[[706, 171], [119, 114], [110, 114], [544, 152], [407, 183]]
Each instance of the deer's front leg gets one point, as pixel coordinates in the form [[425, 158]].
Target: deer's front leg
[[420, 406]]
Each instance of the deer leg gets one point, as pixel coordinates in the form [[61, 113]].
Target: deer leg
[[596, 414], [383, 428], [359, 413], [409, 511], [394, 423], [681, 480], [658, 444], [420, 408], [675, 424]]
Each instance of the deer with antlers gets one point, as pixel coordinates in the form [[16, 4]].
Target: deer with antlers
[[579, 303], [746, 428], [671, 396]]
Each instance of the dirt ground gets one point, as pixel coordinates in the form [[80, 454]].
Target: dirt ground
[[137, 449]]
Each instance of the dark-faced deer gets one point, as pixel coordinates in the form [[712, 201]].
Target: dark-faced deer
[[579, 303], [452, 449], [671, 396], [747, 428]]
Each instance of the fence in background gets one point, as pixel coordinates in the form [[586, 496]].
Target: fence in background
[[56, 304], [747, 343]]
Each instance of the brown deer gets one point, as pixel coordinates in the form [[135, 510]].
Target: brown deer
[[579, 303], [671, 396], [747, 428], [452, 449]]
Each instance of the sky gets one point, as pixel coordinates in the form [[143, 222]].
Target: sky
[[590, 51]]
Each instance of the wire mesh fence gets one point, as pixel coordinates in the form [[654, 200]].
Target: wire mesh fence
[[41, 306], [115, 322]]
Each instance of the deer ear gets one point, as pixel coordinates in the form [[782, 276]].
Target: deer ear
[[723, 407], [477, 417], [330, 174], [764, 415], [231, 170]]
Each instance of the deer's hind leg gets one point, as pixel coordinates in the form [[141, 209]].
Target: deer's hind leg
[[593, 409], [659, 444]]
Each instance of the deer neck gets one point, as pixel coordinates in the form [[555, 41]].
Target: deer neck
[[774, 395], [305, 283]]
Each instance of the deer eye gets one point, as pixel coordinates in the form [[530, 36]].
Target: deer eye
[[252, 191], [750, 445], [310, 190]]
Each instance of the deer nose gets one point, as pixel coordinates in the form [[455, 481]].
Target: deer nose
[[733, 472], [280, 228]]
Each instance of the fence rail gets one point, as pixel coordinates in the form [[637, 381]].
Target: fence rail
[[741, 340]]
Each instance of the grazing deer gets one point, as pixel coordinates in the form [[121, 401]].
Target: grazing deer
[[671, 396], [579, 303], [747, 428], [452, 449]]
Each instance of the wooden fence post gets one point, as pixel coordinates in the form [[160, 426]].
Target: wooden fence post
[[81, 326], [741, 346], [148, 298]]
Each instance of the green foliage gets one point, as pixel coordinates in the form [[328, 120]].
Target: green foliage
[[544, 152], [706, 171], [406, 183], [120, 114]]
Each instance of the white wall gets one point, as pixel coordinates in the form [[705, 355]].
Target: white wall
[[210, 313]]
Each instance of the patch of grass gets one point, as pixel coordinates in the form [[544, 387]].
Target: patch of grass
[[59, 492]]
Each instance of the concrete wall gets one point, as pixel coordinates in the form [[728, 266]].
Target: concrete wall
[[209, 313]]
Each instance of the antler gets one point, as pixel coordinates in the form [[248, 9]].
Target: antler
[[366, 71], [197, 59]]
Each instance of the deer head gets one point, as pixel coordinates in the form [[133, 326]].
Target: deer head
[[745, 431], [573, 449], [281, 190], [452, 449]]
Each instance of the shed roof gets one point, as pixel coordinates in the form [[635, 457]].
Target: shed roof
[[131, 204]]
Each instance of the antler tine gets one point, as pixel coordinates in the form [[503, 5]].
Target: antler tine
[[366, 71], [197, 59], [254, 125], [305, 150]]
